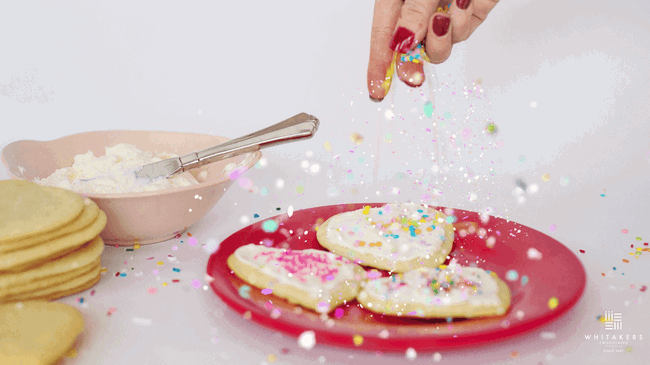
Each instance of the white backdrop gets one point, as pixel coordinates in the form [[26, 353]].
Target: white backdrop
[[567, 84]]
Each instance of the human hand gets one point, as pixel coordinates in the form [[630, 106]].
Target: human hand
[[399, 26]]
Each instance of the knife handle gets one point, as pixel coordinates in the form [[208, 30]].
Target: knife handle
[[301, 126]]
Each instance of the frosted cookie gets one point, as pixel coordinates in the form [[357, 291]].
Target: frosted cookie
[[448, 291], [37, 332], [314, 279], [395, 237]]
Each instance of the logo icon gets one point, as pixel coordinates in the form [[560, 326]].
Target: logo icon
[[613, 321]]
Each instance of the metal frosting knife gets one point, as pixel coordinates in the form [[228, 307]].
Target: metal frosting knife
[[301, 126]]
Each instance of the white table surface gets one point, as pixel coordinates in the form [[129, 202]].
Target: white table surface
[[567, 84]]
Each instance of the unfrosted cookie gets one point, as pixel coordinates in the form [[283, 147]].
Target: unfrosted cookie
[[395, 237], [314, 279], [37, 332], [448, 291]]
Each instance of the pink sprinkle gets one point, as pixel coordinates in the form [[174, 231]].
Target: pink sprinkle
[[155, 272], [174, 248], [245, 183], [150, 258], [338, 312], [196, 284], [151, 290], [111, 310], [192, 241], [267, 291], [330, 277], [624, 230], [268, 305], [92, 292], [552, 228]]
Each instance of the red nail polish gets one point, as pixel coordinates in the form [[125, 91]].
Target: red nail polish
[[440, 25], [402, 40], [463, 4]]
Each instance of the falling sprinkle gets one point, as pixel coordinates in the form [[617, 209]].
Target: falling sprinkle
[[524, 280], [534, 254], [512, 275], [307, 340], [270, 226], [160, 263], [290, 211], [411, 354], [553, 303], [624, 230], [552, 228], [358, 340], [142, 322], [111, 310], [152, 290], [244, 291], [547, 335], [546, 177], [356, 138], [271, 358], [491, 128], [582, 251], [196, 284], [327, 146], [192, 241], [267, 291], [428, 109], [300, 189], [176, 270]]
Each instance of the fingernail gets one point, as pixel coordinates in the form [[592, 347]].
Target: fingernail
[[440, 25], [375, 100], [463, 4], [402, 40]]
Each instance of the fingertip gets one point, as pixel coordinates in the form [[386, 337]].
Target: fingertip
[[411, 73], [439, 40]]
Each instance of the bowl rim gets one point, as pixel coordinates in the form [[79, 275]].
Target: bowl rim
[[248, 166]]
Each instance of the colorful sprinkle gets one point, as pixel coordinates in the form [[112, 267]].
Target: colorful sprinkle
[[307, 340], [270, 226], [524, 280], [356, 138], [176, 270], [358, 340], [428, 109], [192, 241], [196, 284], [338, 313], [512, 275], [244, 291], [553, 303], [267, 291], [546, 177], [152, 290]]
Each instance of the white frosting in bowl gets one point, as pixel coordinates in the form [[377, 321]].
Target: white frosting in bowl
[[114, 172]]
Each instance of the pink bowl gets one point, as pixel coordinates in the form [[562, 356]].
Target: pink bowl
[[134, 218]]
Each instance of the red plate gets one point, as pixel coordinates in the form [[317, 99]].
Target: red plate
[[557, 274]]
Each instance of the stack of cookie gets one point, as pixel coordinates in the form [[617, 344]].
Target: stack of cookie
[[49, 242]]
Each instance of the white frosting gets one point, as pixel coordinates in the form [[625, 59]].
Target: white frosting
[[114, 172], [404, 231], [453, 285], [316, 272]]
